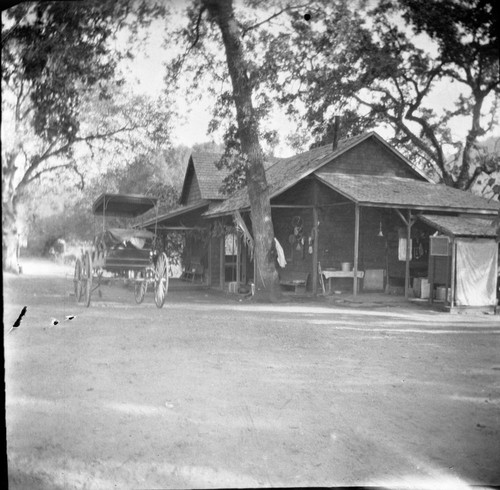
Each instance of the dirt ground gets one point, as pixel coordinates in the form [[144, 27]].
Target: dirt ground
[[214, 392]]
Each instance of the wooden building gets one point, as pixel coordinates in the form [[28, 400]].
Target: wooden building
[[200, 191], [355, 217]]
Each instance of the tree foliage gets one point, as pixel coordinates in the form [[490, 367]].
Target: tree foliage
[[55, 56], [385, 65], [67, 210]]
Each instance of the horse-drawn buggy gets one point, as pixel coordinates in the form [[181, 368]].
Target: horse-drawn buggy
[[129, 253]]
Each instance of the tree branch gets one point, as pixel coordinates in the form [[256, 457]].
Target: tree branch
[[46, 170], [197, 29], [37, 160], [277, 14], [399, 124]]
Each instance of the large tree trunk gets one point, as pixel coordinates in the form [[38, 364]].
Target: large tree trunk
[[267, 281], [464, 178]]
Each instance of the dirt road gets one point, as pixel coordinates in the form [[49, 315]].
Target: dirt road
[[211, 392]]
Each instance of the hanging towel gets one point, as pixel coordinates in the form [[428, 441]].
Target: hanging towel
[[281, 254], [402, 249]]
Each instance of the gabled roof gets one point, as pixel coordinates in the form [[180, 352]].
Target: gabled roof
[[466, 226], [398, 192], [208, 175], [287, 172]]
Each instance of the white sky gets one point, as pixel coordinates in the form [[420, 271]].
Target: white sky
[[147, 73]]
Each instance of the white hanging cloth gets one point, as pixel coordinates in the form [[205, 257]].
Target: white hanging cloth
[[402, 249], [477, 263], [281, 254]]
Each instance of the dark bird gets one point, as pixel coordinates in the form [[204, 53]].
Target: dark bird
[[19, 318], [54, 322]]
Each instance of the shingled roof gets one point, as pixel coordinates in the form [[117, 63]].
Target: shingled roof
[[466, 226], [388, 191], [208, 175], [287, 172]]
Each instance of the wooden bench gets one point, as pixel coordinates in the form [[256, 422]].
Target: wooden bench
[[295, 279]]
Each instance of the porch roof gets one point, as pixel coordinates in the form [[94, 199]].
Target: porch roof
[[465, 226], [287, 172], [174, 216], [398, 192]]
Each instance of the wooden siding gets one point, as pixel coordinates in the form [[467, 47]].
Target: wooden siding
[[372, 248], [300, 194], [336, 236], [370, 157]]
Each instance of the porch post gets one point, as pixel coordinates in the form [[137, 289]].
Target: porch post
[[408, 252], [209, 272], [431, 277], [222, 268], [244, 254], [315, 239], [238, 258], [315, 251], [356, 249], [453, 272]]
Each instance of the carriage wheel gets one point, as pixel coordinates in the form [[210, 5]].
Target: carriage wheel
[[161, 286], [87, 278], [140, 287], [77, 280]]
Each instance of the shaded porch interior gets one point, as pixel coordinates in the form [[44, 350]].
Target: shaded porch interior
[[330, 239]]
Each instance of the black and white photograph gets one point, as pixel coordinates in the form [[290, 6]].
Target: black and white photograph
[[251, 244]]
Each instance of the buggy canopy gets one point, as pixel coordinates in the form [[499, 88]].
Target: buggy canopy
[[123, 205]]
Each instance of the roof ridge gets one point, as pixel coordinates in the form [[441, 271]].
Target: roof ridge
[[199, 152], [399, 177], [326, 145], [342, 141]]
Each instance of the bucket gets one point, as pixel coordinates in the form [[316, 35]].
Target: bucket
[[346, 266]]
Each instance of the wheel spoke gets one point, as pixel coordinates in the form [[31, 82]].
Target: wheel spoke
[[140, 287], [77, 280], [161, 286], [87, 269]]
